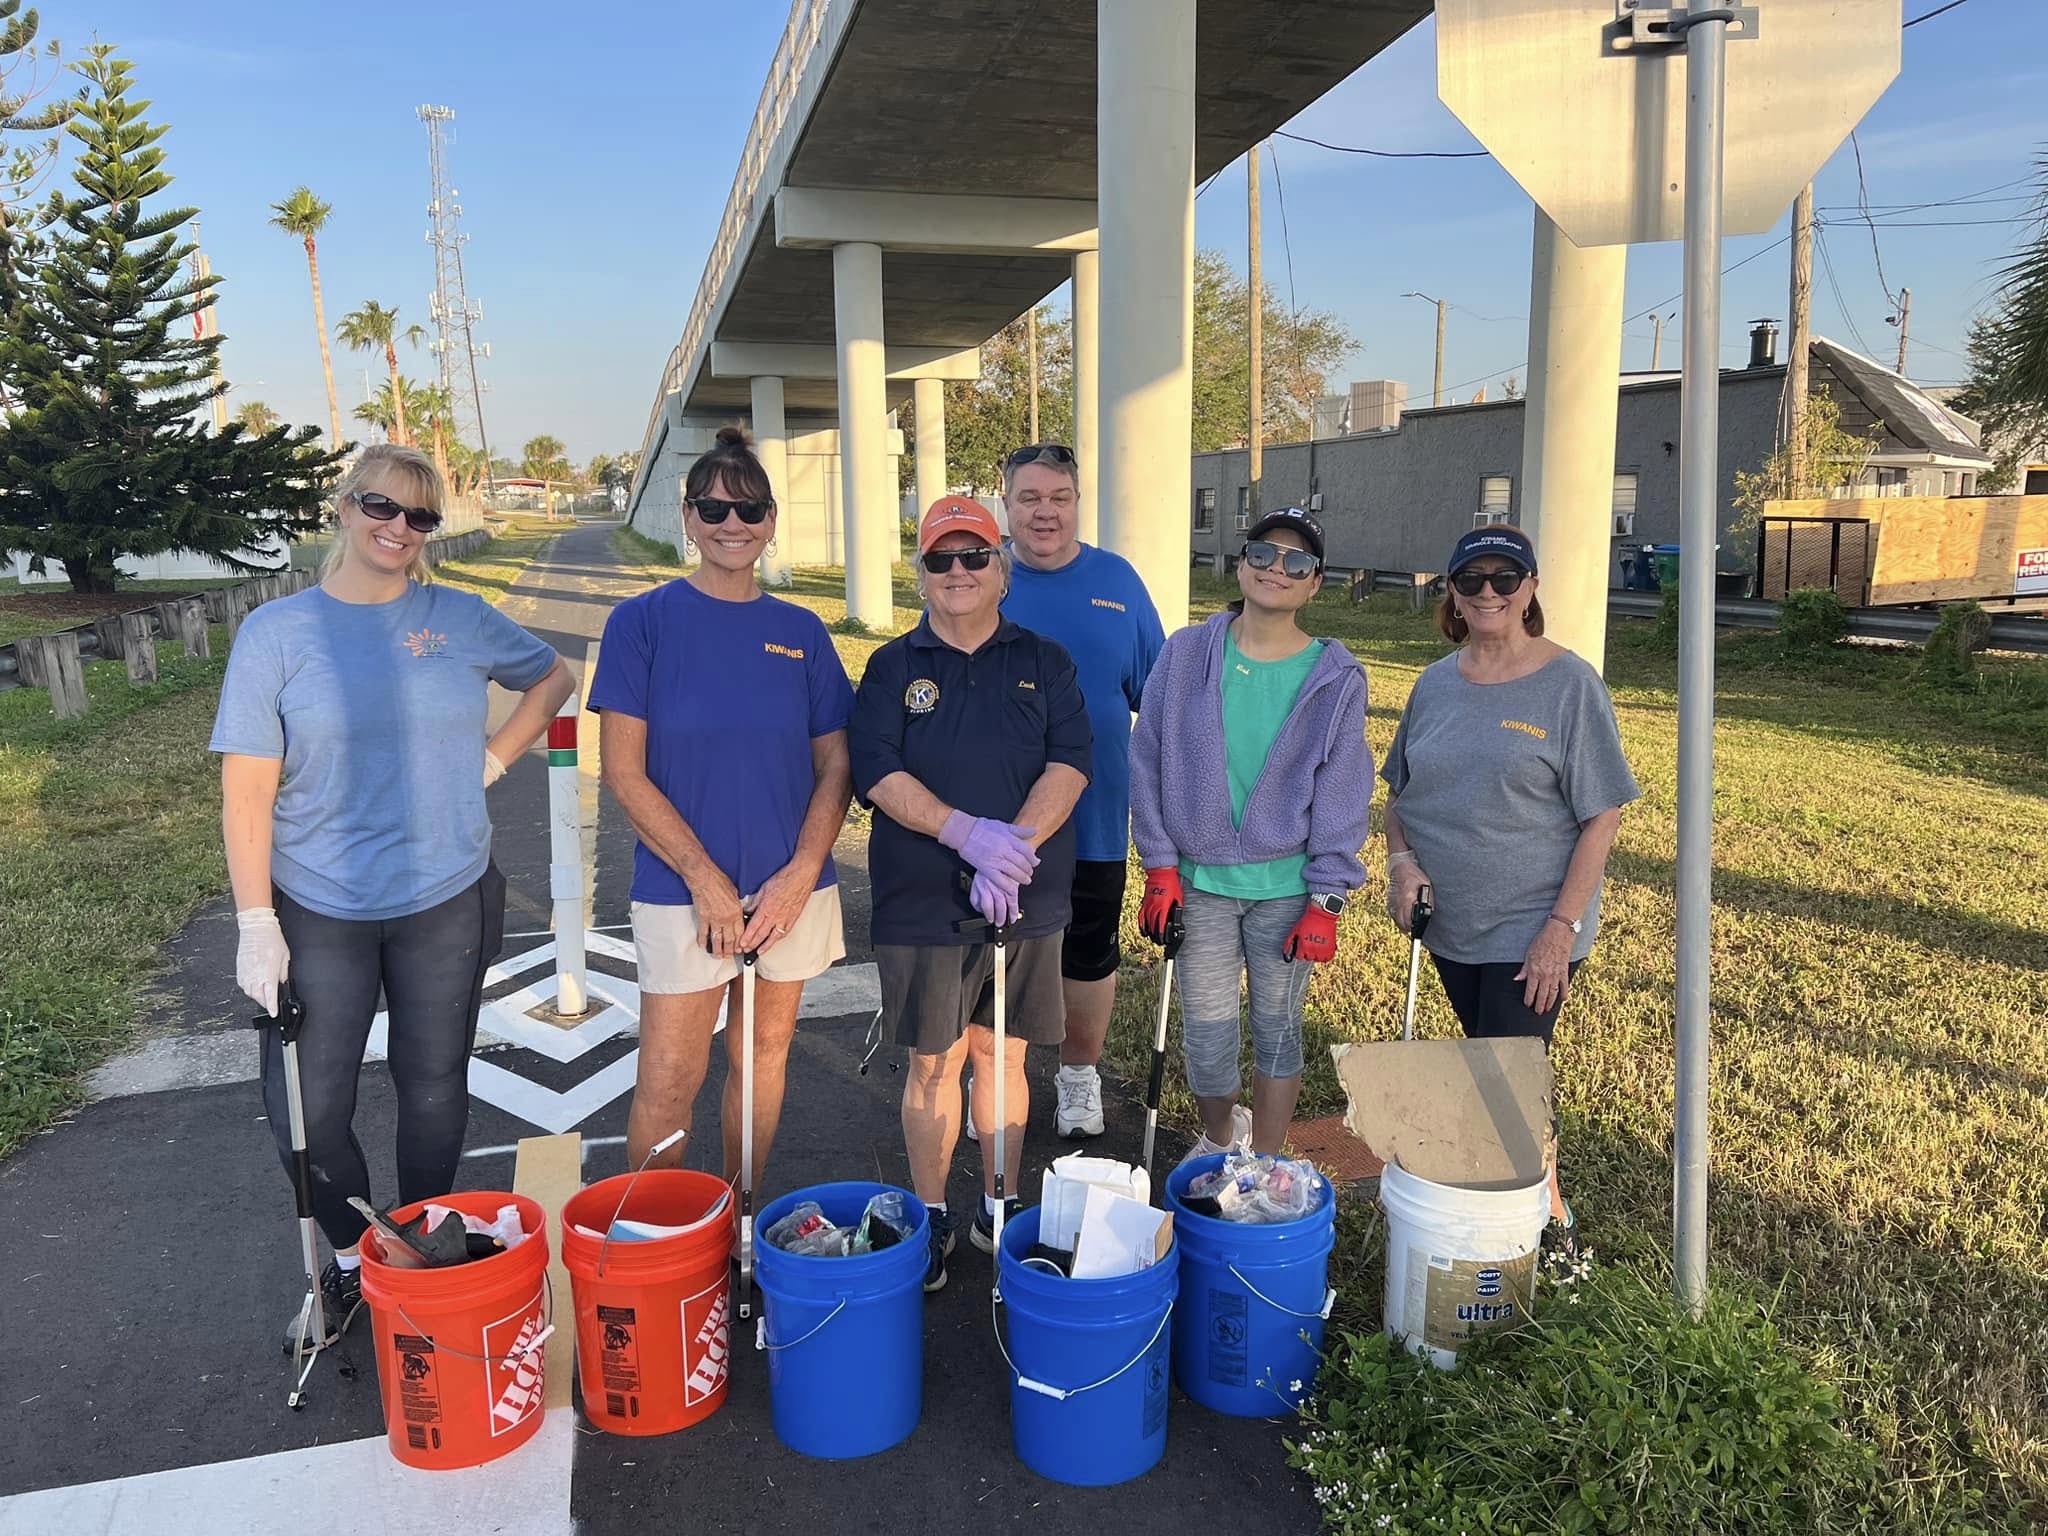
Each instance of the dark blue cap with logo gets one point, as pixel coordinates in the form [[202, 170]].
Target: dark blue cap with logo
[[1302, 522], [1496, 539]]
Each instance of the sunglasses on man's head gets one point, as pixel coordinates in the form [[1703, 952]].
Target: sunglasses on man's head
[[383, 509], [1263, 554], [1036, 453], [1504, 583], [714, 509], [940, 561]]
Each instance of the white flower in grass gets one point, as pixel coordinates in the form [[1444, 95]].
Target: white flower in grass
[[1294, 1385]]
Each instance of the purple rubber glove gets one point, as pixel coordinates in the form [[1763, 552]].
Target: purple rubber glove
[[995, 899], [991, 847]]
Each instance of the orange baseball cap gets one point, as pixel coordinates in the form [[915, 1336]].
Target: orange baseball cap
[[956, 514]]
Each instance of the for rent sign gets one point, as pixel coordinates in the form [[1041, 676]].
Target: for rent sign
[[2030, 571]]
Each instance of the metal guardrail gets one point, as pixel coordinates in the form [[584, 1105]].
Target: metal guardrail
[[792, 53], [2009, 632]]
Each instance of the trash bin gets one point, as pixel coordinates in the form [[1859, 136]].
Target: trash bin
[[1638, 574], [1666, 557]]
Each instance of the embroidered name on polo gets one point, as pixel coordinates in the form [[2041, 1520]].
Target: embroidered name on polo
[[1526, 729], [1025, 682], [793, 652], [1106, 602]]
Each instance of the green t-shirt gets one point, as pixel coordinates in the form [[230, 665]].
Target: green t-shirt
[[1258, 696]]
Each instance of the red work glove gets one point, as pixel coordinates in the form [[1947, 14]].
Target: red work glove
[[1314, 937], [1162, 903]]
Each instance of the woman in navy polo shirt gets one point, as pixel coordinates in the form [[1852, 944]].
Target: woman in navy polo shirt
[[724, 740], [970, 739]]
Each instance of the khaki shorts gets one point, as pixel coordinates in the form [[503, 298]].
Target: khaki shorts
[[673, 958]]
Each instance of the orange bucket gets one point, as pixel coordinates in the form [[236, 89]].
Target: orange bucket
[[458, 1349], [651, 1329]]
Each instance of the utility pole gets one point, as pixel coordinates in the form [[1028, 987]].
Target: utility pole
[[1257, 300], [1799, 349], [1657, 341], [1436, 393], [1031, 364], [1903, 320], [453, 313]]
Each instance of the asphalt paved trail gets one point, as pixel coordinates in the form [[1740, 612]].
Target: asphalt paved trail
[[148, 1258]]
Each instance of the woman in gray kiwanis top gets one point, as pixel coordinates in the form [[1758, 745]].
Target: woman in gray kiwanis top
[[1506, 783]]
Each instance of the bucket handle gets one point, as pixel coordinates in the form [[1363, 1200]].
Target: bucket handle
[[530, 1348], [762, 1343], [1329, 1297], [1061, 1394]]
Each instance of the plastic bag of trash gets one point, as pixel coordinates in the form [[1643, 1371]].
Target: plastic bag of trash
[[884, 1224], [505, 1232], [808, 1231], [1260, 1189]]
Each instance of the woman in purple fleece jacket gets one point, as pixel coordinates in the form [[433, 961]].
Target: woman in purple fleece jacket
[[1251, 785]]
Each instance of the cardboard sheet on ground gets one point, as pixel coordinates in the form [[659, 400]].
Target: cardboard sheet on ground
[[1471, 1113]]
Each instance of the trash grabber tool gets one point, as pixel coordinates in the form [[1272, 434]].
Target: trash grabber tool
[[310, 1335], [747, 959], [1174, 934], [1418, 920], [1002, 940]]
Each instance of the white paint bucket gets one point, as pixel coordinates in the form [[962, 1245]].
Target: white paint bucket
[[1459, 1261]]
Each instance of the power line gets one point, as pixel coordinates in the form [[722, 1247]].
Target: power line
[[1205, 186], [1387, 154], [1863, 202], [1280, 190], [1930, 15], [1820, 246]]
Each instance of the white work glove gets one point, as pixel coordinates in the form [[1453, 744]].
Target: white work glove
[[261, 960], [493, 769]]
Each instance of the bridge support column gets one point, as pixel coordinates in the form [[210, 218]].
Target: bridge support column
[[1568, 431], [771, 444], [1087, 352], [1145, 178], [870, 517], [928, 401]]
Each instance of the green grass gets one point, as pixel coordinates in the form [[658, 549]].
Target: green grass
[[109, 840], [30, 618], [1880, 984]]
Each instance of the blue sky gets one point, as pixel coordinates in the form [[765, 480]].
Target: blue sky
[[595, 146]]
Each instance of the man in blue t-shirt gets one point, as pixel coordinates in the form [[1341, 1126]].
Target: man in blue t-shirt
[[1092, 602]]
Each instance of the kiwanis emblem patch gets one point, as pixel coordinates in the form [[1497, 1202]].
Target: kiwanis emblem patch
[[921, 697]]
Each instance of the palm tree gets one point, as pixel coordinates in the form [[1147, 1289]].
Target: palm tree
[[256, 417], [304, 215], [436, 405], [545, 459], [2008, 385], [386, 409], [374, 327]]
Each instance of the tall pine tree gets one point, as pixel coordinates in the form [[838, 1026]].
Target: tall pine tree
[[108, 452]]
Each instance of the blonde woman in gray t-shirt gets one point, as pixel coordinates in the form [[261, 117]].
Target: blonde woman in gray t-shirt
[[1506, 782]]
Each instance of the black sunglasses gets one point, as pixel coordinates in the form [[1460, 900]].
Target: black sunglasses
[[714, 510], [940, 561], [1504, 583], [1036, 453], [383, 509], [1297, 564]]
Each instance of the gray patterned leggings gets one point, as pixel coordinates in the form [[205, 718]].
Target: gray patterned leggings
[[1231, 943]]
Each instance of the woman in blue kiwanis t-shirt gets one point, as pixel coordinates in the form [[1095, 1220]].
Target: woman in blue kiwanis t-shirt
[[724, 741], [353, 770]]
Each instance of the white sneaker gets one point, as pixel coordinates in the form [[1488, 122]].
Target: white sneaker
[[972, 1134], [1080, 1112], [1240, 1135]]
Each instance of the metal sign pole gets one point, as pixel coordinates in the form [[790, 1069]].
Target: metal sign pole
[[1699, 475]]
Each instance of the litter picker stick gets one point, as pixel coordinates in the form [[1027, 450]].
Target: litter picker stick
[[1174, 934], [747, 1133], [311, 1335], [1418, 919], [1002, 939]]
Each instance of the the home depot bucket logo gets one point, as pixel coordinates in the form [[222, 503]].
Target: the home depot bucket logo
[[514, 1375], [704, 1349]]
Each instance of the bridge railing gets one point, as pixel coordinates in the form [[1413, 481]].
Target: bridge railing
[[785, 73]]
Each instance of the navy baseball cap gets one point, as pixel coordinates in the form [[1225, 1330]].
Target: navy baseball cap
[[1301, 522], [1495, 539]]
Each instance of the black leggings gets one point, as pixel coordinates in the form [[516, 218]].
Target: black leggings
[[430, 968], [1488, 1000]]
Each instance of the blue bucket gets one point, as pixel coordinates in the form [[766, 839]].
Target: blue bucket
[[845, 1337], [1088, 1365], [1248, 1333]]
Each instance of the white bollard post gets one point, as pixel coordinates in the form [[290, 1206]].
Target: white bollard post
[[565, 867]]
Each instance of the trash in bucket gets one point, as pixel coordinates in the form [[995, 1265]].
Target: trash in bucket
[[844, 1335], [652, 1292], [459, 1360], [1256, 1188], [1254, 1297], [808, 1231]]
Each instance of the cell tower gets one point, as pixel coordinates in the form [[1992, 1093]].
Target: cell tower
[[454, 313]]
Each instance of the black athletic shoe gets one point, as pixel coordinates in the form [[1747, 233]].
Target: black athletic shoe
[[341, 1297], [1561, 1238], [942, 1241], [984, 1233]]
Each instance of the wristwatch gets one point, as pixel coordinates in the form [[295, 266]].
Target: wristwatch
[[1334, 905], [1570, 922]]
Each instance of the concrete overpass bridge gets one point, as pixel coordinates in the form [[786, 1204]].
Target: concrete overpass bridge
[[918, 174]]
